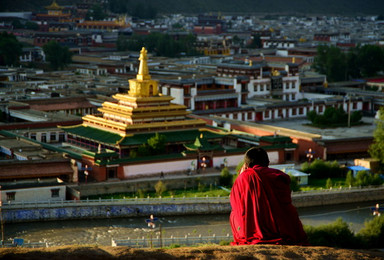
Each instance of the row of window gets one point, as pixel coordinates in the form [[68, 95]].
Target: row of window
[[43, 137], [11, 196]]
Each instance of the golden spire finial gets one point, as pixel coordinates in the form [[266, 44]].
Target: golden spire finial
[[143, 73]]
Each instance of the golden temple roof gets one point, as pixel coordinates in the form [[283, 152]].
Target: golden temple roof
[[54, 6], [142, 109], [143, 86], [143, 73]]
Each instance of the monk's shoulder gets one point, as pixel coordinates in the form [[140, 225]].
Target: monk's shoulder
[[278, 175], [245, 176]]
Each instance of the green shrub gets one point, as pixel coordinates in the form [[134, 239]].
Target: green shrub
[[141, 193], [174, 246], [372, 235], [225, 177], [329, 184], [323, 169], [224, 243], [294, 183], [336, 234], [350, 180], [365, 178], [200, 187], [333, 117], [160, 188]]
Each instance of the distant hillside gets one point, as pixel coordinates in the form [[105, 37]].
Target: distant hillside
[[343, 7]]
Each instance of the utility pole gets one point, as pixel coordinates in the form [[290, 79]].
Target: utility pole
[[1, 219], [349, 111]]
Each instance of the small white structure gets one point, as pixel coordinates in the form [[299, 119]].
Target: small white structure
[[302, 177], [32, 191]]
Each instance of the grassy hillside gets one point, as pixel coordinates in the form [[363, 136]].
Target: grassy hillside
[[345, 7], [201, 252]]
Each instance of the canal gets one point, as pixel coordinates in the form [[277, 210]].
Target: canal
[[101, 231]]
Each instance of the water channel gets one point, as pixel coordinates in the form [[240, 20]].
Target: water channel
[[101, 231]]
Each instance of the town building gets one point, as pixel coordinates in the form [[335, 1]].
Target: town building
[[103, 26], [32, 191], [209, 24], [263, 80], [55, 19], [23, 159], [112, 143], [332, 37], [66, 38]]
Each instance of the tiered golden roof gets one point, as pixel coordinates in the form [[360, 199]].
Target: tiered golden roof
[[54, 6], [54, 9], [143, 109]]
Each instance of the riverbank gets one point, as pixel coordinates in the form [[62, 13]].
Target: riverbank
[[144, 207], [202, 252]]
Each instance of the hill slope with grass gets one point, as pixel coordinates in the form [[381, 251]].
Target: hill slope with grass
[[202, 252]]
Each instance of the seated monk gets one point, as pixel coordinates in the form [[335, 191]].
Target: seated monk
[[262, 210]]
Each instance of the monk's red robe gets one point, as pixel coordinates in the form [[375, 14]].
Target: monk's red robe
[[262, 210]]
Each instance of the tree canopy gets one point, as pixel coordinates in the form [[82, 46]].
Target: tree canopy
[[154, 146], [357, 62], [134, 8], [159, 43], [96, 13], [58, 56], [376, 150], [334, 117], [10, 49]]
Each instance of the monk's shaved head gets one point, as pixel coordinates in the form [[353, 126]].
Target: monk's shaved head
[[256, 156]]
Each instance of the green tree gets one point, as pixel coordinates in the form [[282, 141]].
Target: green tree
[[119, 6], [361, 61], [333, 117], [370, 60], [159, 43], [336, 234], [365, 178], [31, 26], [329, 183], [372, 235], [294, 185], [10, 49], [144, 11], [58, 56], [322, 169], [256, 42], [362, 178], [376, 150], [16, 24], [160, 188], [225, 177], [236, 40], [157, 144], [330, 60], [96, 13], [349, 179]]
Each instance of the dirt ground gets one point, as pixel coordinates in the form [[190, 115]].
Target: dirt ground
[[203, 252]]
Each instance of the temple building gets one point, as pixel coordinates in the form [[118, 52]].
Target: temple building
[[98, 26], [115, 142], [55, 19]]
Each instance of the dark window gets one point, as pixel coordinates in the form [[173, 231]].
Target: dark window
[[62, 137], [44, 137], [11, 196], [55, 193]]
